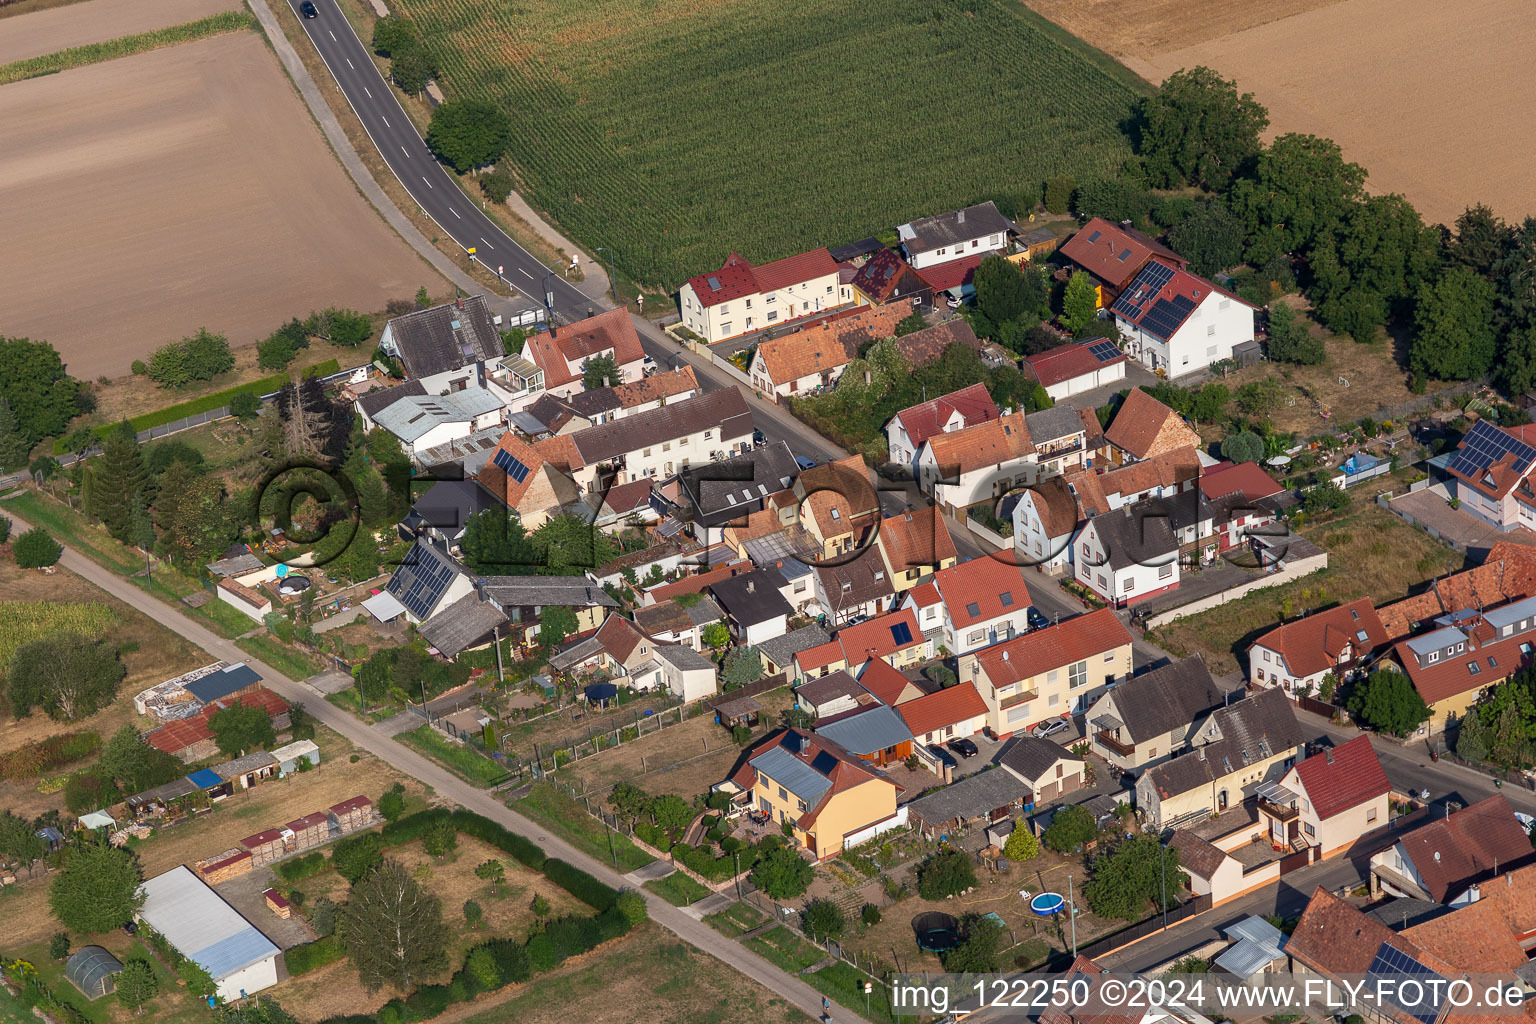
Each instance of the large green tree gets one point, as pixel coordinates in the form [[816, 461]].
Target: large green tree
[[1388, 701], [782, 873], [494, 543], [1453, 332], [393, 929], [468, 134], [979, 950], [1515, 278], [135, 765], [1517, 361], [1301, 186], [200, 523], [242, 728], [1070, 828], [1374, 258], [1115, 199], [568, 543], [32, 380], [1080, 304], [118, 479], [68, 675], [98, 890], [19, 840], [1211, 238], [14, 445], [1007, 291], [137, 983], [1197, 129], [1289, 339], [946, 873], [601, 372], [1479, 241], [1133, 872]]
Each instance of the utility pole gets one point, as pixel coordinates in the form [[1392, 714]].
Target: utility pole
[[1072, 910], [613, 281], [1162, 862]]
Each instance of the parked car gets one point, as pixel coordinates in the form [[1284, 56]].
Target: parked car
[[648, 366], [1037, 620], [759, 439], [943, 755], [804, 463], [1049, 728], [309, 10], [963, 747]]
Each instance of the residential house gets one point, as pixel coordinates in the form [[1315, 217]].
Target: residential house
[[426, 421], [623, 506], [915, 545], [887, 683], [427, 580], [976, 464], [832, 696], [739, 298], [618, 648], [1507, 573], [249, 600], [1129, 555], [1044, 767], [442, 513], [686, 673], [679, 622], [955, 281], [893, 638], [754, 605], [1491, 470], [1143, 428], [1078, 367], [1066, 440], [696, 583], [708, 497], [816, 356], [885, 278], [1236, 751], [1299, 655], [837, 505], [778, 653], [876, 734], [1329, 800], [1247, 479], [954, 712], [974, 231], [658, 443], [1114, 255], [562, 353], [972, 605], [554, 414], [370, 403], [829, 797], [1166, 475], [1049, 672], [957, 410], [1044, 525], [1443, 860], [1178, 323], [1149, 718], [523, 599], [981, 800], [445, 347], [923, 348], [468, 624], [521, 478], [1100, 1003], [854, 588]]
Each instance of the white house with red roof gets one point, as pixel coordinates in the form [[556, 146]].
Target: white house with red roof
[[563, 352], [1068, 370], [1178, 323], [972, 605], [1329, 800], [957, 410], [955, 712], [739, 298], [1299, 655], [1492, 469]]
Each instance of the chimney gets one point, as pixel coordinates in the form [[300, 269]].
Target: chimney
[[1328, 755], [960, 217], [1474, 894], [751, 586], [460, 301]]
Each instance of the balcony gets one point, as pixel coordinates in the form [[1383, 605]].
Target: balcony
[[1107, 740], [1279, 812], [1017, 699]]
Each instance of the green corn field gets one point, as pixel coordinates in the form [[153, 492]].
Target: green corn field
[[676, 131], [24, 621]]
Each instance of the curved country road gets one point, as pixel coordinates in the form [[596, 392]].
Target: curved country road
[[693, 932]]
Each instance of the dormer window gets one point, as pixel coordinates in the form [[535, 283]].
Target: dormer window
[[1432, 657]]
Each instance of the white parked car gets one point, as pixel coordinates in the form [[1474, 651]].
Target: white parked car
[[648, 366]]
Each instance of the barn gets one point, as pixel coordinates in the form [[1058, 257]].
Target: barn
[[210, 933]]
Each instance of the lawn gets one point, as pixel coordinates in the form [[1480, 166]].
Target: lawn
[[553, 808], [736, 919], [785, 949], [171, 1004], [677, 889], [1371, 553], [673, 132], [294, 664], [464, 762]]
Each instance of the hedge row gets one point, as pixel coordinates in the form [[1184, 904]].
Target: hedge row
[[311, 955], [716, 869], [476, 826], [34, 759], [578, 883], [301, 867]]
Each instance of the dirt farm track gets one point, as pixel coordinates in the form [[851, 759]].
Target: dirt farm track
[[148, 196], [1430, 97]]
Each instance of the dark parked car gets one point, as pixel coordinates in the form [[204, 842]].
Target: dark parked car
[[309, 10], [804, 463], [759, 438], [963, 747], [1037, 620], [942, 754]]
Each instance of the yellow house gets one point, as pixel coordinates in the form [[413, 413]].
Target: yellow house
[[838, 505], [1237, 751], [1451, 666], [829, 799], [1329, 800], [1050, 672], [915, 545]]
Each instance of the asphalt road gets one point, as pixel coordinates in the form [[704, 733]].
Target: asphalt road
[[428, 182]]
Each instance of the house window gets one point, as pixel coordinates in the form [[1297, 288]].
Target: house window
[[749, 303], [783, 794], [683, 443], [1007, 598], [1209, 331], [1109, 658], [725, 328], [804, 306], [829, 289], [1434, 656], [976, 637], [647, 453], [1225, 304], [1266, 655], [1307, 827], [802, 805], [708, 434], [1125, 585], [773, 315], [1165, 571], [973, 609], [1473, 668], [1054, 700], [1101, 580], [1370, 814], [1077, 675], [725, 307]]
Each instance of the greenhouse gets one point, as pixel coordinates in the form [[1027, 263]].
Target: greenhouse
[[91, 970]]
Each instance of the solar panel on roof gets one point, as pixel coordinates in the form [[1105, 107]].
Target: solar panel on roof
[[510, 465], [421, 583], [1392, 963], [901, 633], [1485, 445], [1154, 275], [1103, 350]]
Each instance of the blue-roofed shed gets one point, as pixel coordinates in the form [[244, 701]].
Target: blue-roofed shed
[[226, 682], [878, 734], [205, 779]]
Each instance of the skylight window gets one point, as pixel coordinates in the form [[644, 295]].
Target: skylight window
[[973, 609], [1007, 598]]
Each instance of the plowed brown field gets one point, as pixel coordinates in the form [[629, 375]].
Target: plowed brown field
[[97, 21], [149, 196]]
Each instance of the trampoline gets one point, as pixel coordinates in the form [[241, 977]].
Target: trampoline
[[936, 932]]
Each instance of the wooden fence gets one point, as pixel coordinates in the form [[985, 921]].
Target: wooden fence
[[763, 685]]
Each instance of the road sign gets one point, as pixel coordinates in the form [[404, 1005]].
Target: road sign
[[471, 250], [499, 269]]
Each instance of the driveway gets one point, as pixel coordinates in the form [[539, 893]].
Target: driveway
[[1430, 510]]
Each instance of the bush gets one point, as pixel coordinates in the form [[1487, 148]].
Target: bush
[[5, 529], [36, 549], [355, 856], [90, 790], [1070, 828], [58, 946], [441, 839], [200, 357], [323, 918], [497, 185], [296, 868], [309, 956], [946, 873], [822, 920], [632, 906], [580, 884], [870, 915], [392, 803], [34, 759], [138, 367]]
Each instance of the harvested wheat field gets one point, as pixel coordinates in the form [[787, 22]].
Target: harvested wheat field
[[1429, 97], [96, 21], [149, 196]]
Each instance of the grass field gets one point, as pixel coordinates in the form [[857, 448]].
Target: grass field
[[551, 807], [675, 132], [296, 665], [677, 889], [736, 919], [172, 1004], [467, 764]]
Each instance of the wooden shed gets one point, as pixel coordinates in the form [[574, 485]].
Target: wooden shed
[[265, 847], [311, 830], [277, 903], [353, 814]]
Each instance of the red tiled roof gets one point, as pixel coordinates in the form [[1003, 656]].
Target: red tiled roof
[[885, 681], [1334, 938], [1507, 573], [628, 497], [1113, 254], [953, 274], [505, 488], [656, 387], [916, 540], [1171, 469], [844, 772], [555, 350], [619, 637], [1247, 478], [696, 584], [820, 656], [1067, 642], [1451, 676], [827, 345], [923, 347], [982, 583], [882, 275], [1343, 777], [989, 443], [1067, 361], [791, 270], [925, 594], [942, 708], [973, 404], [877, 637], [1475, 937], [1313, 644], [735, 279], [1146, 427], [738, 278], [315, 819], [1096, 1009]]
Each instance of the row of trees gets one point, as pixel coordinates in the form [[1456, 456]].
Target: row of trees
[[345, 327]]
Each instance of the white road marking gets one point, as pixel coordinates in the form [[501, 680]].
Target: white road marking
[[365, 89], [526, 274], [483, 242], [349, 64], [454, 212], [408, 153], [424, 178], [385, 120], [332, 35]]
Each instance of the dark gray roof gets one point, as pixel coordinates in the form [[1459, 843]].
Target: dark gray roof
[[670, 615], [957, 226], [1405, 912], [725, 410], [444, 338], [974, 795], [752, 597], [376, 401], [461, 625], [1032, 756], [868, 731], [539, 591], [853, 250], [1056, 422], [420, 581], [222, 683], [781, 649], [722, 491], [163, 793], [235, 564], [240, 765], [554, 411], [828, 688], [865, 576], [1139, 534], [448, 506], [685, 658], [1156, 702], [793, 774], [1253, 729]]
